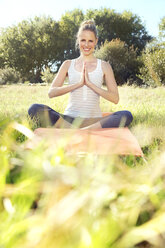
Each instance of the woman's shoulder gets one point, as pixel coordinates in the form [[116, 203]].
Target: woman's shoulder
[[105, 65], [67, 63]]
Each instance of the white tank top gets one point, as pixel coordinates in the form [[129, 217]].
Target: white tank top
[[84, 102]]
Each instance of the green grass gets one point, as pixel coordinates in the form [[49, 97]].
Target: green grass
[[146, 105], [49, 198]]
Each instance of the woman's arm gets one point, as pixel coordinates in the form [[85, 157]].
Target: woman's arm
[[111, 94], [57, 88]]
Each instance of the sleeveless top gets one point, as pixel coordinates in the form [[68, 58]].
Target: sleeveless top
[[84, 102]]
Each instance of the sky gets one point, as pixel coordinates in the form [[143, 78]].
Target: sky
[[14, 11]]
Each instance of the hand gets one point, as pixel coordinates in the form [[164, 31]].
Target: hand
[[82, 79], [87, 82], [84, 76]]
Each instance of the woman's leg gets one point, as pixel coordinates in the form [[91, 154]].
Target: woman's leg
[[44, 115], [64, 122], [117, 119]]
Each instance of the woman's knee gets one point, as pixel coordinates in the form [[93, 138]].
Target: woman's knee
[[33, 109], [127, 115]]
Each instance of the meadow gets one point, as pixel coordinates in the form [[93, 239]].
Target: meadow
[[51, 199]]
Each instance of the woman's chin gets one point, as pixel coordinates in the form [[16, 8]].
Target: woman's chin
[[86, 53]]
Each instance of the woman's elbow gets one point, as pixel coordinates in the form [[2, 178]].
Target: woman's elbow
[[50, 95], [116, 100]]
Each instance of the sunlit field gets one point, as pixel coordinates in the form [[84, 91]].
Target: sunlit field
[[49, 198], [147, 105]]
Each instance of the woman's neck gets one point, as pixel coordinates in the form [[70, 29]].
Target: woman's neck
[[87, 58]]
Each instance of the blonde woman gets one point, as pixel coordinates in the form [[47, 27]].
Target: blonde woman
[[86, 75]]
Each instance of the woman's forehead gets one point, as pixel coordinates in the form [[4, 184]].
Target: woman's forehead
[[87, 34]]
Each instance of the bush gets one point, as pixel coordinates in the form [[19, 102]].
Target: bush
[[122, 58], [47, 76], [9, 76], [153, 71]]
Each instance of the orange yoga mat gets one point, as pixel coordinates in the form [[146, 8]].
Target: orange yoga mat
[[97, 141]]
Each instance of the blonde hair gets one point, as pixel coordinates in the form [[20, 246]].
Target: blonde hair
[[86, 25]]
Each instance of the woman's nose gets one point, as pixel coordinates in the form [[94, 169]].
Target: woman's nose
[[86, 43]]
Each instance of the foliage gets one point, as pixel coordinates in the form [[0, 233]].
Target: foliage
[[69, 24], [122, 58], [31, 45], [47, 76], [126, 26], [152, 71], [43, 42], [162, 28], [9, 76], [153, 59], [111, 25]]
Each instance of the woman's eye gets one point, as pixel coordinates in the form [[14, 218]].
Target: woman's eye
[[89, 41]]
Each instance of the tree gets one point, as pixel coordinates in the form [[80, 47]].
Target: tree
[[35, 44], [153, 71], [153, 58], [2, 56], [31, 45], [122, 59], [125, 26], [9, 76], [69, 24], [162, 28]]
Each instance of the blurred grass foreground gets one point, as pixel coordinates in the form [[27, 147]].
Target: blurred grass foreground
[[49, 198]]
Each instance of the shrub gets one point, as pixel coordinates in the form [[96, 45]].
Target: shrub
[[122, 58], [153, 71], [47, 76], [9, 76]]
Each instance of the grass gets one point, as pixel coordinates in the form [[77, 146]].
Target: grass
[[51, 199], [146, 105]]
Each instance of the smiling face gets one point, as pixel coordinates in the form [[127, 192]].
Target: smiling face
[[87, 42]]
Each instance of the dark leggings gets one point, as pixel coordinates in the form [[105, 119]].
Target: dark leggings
[[46, 116]]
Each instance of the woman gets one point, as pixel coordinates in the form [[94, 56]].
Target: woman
[[86, 74]]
